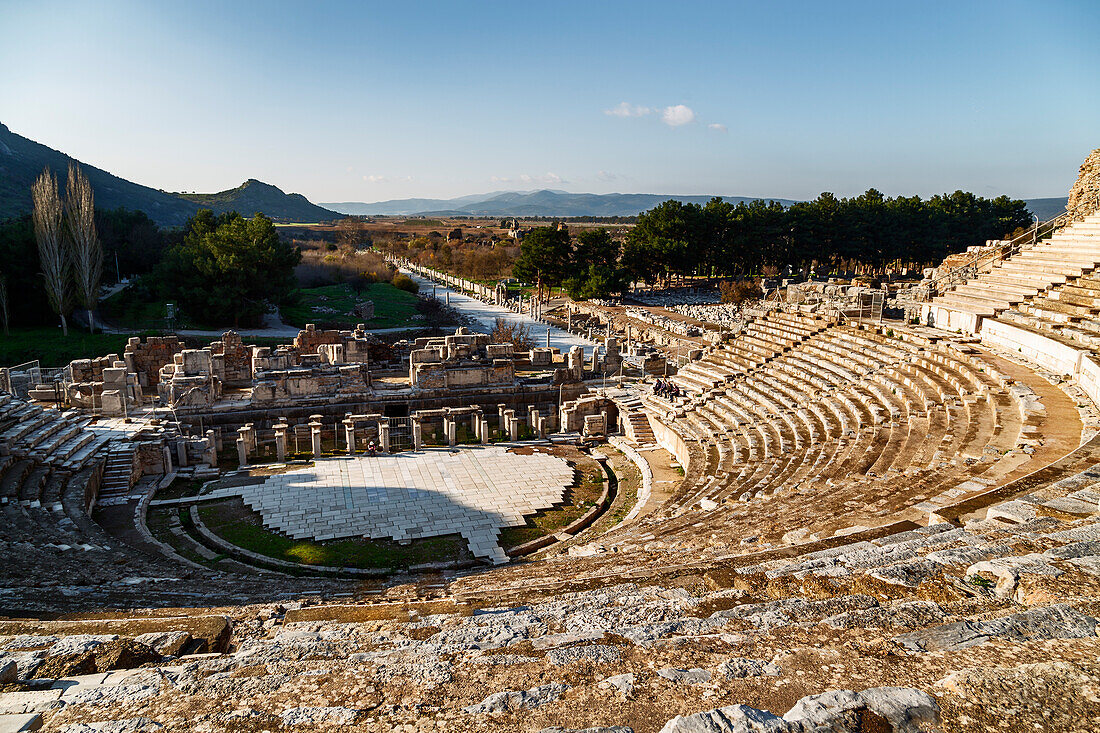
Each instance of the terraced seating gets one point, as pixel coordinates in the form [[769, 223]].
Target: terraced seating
[[1066, 255]]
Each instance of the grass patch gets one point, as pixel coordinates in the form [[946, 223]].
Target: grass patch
[[180, 488], [240, 526], [132, 308], [51, 349], [578, 500], [329, 306]]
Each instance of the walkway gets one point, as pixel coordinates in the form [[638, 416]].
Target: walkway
[[485, 314]]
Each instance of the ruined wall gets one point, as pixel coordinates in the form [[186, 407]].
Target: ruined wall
[[148, 358], [1088, 181], [236, 362]]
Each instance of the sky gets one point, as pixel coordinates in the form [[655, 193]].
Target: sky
[[364, 101]]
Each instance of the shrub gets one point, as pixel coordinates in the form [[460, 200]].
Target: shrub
[[406, 283]]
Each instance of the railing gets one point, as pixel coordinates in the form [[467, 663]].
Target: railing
[[990, 256]]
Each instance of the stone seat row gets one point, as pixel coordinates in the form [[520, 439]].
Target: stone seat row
[[765, 417]]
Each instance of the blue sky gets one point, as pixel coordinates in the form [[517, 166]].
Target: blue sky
[[361, 101]]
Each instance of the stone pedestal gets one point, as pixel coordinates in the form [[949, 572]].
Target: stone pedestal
[[384, 435], [513, 425], [484, 434], [450, 430], [349, 436], [315, 435], [211, 451], [418, 435], [181, 453], [280, 441], [242, 451]]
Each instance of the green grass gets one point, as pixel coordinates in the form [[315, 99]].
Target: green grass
[[238, 525], [126, 309], [329, 305], [51, 349], [578, 501]]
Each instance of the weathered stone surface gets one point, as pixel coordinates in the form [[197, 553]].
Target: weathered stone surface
[[124, 725], [316, 715], [518, 699], [740, 667], [597, 653], [1052, 622], [694, 676], [598, 729], [9, 670], [624, 683], [79, 643], [900, 709], [167, 643]]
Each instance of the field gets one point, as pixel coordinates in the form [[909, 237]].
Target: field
[[51, 349], [330, 306]]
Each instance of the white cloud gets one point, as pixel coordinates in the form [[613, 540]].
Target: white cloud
[[545, 179], [677, 115], [626, 109], [717, 127], [386, 179], [606, 176]]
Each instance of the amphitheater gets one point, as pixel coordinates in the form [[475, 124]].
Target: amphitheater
[[839, 524]]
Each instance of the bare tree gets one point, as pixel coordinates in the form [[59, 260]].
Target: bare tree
[[510, 332], [52, 252], [87, 255], [4, 301]]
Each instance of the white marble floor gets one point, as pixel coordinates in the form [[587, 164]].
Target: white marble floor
[[473, 491]]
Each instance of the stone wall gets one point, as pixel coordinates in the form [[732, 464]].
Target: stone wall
[[1088, 180], [146, 359]]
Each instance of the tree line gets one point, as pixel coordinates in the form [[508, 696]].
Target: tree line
[[868, 234]]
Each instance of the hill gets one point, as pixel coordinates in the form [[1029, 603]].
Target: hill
[[563, 203], [1046, 208], [527, 203], [22, 160], [252, 196]]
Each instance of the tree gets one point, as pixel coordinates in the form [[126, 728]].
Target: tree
[[228, 269], [4, 301], [53, 255], [87, 254], [512, 332], [545, 257]]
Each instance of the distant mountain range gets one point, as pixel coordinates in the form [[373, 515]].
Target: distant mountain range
[[22, 160], [545, 202], [548, 202]]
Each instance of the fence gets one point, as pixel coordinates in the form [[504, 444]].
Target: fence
[[20, 379]]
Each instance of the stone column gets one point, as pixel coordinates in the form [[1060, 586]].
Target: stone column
[[211, 449], [280, 441], [349, 435], [242, 447], [181, 452], [484, 434], [418, 435], [250, 435], [513, 425], [450, 428], [315, 435], [384, 434]]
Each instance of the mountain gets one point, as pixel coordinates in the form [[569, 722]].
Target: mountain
[[527, 203], [252, 196], [1046, 208], [22, 160]]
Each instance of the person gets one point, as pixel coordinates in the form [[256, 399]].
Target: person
[[371, 450]]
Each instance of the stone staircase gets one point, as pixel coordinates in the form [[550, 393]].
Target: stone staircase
[[1069, 254], [118, 473]]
